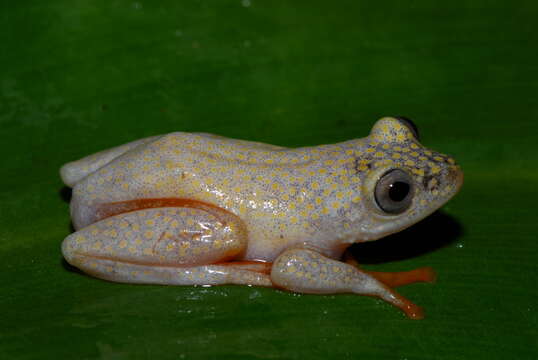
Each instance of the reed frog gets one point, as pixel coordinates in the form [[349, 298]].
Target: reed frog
[[200, 209]]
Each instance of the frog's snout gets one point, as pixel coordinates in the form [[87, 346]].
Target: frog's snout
[[455, 176]]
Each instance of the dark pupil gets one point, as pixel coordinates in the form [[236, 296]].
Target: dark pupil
[[398, 191]]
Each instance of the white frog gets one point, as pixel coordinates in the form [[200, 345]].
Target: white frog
[[199, 209]]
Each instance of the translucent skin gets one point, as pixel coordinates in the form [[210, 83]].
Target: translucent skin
[[201, 209]]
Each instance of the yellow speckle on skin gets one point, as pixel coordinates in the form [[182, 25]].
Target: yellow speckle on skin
[[122, 244], [148, 251], [148, 234], [97, 245]]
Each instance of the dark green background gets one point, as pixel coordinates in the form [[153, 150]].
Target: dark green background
[[80, 76]]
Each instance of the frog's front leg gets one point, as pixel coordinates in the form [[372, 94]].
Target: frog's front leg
[[307, 271], [170, 245]]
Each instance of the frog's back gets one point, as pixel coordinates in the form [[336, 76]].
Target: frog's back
[[195, 166]]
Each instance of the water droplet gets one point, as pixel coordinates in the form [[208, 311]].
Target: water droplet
[[459, 245], [245, 3], [137, 5]]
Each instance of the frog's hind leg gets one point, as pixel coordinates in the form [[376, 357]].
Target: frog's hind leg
[[74, 171], [394, 279], [168, 245]]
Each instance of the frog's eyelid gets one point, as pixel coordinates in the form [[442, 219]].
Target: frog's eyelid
[[410, 125]]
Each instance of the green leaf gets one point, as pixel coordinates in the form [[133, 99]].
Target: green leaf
[[81, 76]]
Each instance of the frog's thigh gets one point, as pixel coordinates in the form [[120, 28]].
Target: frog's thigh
[[306, 271], [172, 245]]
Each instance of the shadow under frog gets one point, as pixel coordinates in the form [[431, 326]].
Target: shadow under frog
[[200, 209]]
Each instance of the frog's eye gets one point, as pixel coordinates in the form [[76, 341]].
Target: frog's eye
[[410, 125], [394, 191]]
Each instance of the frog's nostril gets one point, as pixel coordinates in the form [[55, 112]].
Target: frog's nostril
[[455, 175]]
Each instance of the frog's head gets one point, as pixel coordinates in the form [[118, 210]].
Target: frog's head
[[402, 181]]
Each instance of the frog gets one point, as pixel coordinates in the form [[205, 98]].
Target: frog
[[202, 209]]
